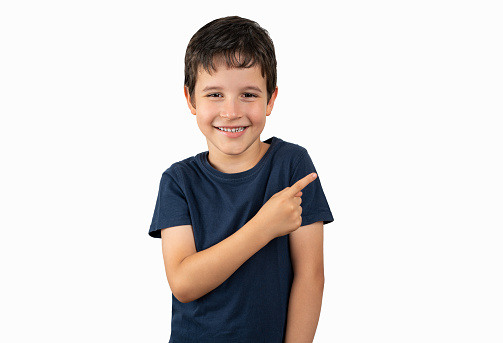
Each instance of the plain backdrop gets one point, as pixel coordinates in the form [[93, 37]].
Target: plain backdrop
[[398, 102]]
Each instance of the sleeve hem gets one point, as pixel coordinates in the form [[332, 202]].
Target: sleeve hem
[[155, 230], [325, 217]]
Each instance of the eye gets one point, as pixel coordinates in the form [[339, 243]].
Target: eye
[[214, 95], [249, 95]]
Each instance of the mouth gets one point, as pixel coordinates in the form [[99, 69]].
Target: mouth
[[231, 129]]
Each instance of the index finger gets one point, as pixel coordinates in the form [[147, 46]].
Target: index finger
[[302, 183]]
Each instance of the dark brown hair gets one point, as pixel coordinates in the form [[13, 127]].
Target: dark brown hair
[[239, 42]]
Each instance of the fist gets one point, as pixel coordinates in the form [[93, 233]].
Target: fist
[[281, 214]]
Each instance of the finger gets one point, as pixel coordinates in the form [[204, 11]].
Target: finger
[[302, 183], [284, 190], [299, 200], [298, 195]]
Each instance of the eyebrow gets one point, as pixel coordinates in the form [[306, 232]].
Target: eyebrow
[[253, 88], [211, 88], [215, 88]]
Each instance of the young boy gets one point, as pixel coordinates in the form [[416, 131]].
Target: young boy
[[243, 259]]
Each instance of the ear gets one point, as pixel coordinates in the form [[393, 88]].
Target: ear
[[192, 108], [270, 105]]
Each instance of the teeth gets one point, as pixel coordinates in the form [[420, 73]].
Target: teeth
[[239, 129]]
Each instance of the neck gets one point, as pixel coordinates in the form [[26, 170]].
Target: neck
[[231, 164]]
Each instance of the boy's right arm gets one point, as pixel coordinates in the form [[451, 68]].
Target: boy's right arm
[[192, 274]]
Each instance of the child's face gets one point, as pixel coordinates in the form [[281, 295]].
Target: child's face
[[231, 109]]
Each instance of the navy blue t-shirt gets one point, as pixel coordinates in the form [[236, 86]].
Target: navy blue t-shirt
[[251, 305]]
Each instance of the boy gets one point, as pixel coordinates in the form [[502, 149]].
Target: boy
[[243, 259]]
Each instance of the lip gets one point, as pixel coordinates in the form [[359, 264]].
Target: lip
[[232, 134]]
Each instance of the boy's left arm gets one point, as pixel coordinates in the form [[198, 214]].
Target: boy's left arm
[[306, 249]]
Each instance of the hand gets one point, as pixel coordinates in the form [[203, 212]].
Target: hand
[[281, 215]]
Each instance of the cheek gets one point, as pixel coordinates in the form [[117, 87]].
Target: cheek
[[207, 108], [205, 117], [258, 111], [203, 120]]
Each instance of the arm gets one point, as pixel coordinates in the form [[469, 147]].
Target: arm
[[192, 274], [306, 249]]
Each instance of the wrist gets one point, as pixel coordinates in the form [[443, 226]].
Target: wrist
[[260, 231]]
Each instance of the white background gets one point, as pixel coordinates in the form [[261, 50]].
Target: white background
[[398, 102]]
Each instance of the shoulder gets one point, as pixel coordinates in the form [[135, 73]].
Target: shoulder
[[179, 166], [287, 151], [182, 170], [285, 146]]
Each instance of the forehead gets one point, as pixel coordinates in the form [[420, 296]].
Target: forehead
[[227, 77]]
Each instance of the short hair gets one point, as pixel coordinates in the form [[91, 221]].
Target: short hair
[[239, 42]]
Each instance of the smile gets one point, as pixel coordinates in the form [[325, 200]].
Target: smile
[[236, 129]]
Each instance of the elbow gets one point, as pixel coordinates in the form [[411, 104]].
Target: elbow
[[182, 297], [181, 292]]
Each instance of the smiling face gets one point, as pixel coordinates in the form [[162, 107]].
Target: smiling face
[[231, 107]]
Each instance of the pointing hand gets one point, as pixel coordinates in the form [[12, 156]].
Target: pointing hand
[[281, 214]]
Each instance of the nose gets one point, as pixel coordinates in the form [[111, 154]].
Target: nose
[[230, 109]]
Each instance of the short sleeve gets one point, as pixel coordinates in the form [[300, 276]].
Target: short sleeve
[[171, 208], [315, 207]]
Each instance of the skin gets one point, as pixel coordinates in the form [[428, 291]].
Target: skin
[[232, 98], [238, 98]]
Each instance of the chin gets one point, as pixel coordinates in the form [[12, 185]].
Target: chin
[[232, 151]]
